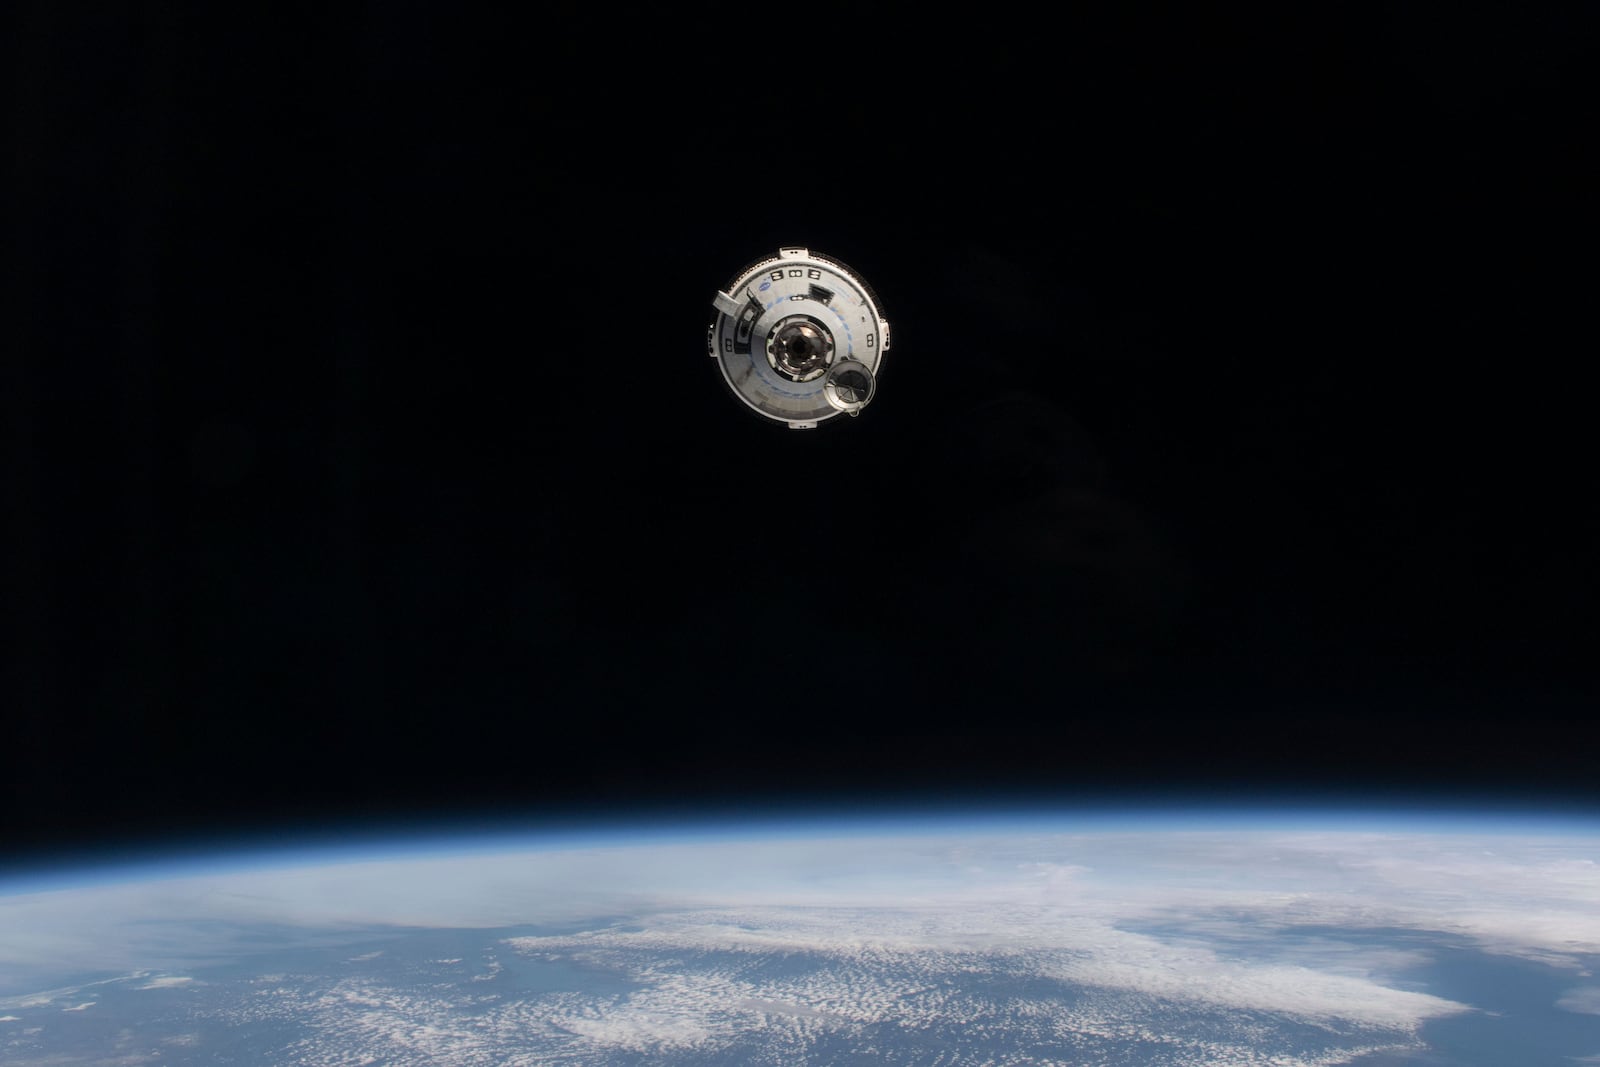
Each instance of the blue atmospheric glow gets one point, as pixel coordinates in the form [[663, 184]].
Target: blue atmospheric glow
[[291, 846]]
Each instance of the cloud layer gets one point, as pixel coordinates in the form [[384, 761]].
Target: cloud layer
[[1068, 937]]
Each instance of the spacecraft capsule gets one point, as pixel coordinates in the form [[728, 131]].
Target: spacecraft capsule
[[799, 337]]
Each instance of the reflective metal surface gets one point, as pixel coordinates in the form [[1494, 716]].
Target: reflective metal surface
[[799, 338]]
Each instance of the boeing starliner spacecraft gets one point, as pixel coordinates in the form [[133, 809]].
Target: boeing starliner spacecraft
[[799, 338]]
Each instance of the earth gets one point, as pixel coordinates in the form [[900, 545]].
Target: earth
[[1297, 940]]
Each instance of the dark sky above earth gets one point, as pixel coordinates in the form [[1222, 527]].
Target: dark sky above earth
[[362, 458]]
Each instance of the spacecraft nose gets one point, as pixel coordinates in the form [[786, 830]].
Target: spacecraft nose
[[799, 338]]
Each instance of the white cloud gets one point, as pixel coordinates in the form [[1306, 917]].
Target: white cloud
[[905, 948], [1219, 921], [1585, 1000], [661, 1019], [73, 992]]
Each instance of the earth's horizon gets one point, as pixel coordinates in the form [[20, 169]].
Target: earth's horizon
[[1184, 936]]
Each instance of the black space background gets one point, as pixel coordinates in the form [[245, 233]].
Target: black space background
[[362, 458]]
